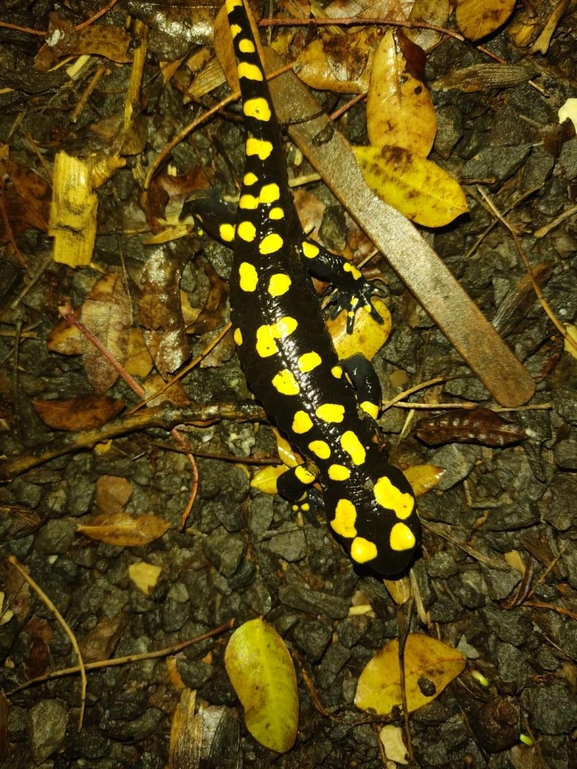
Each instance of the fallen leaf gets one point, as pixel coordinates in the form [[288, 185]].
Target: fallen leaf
[[433, 12], [82, 413], [263, 676], [423, 478], [112, 493], [368, 334], [469, 426], [123, 529], [415, 186], [340, 63], [478, 18], [430, 665], [400, 109], [144, 575], [107, 314]]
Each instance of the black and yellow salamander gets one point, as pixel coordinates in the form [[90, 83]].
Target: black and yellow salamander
[[326, 407]]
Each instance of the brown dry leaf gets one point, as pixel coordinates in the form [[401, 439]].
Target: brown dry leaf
[[107, 314], [65, 339], [64, 40], [160, 309], [186, 733], [101, 641], [4, 714], [400, 109], [369, 9], [112, 493], [480, 77], [470, 426], [415, 186], [27, 197], [212, 315], [124, 530], [340, 63], [82, 413], [478, 18], [175, 394], [18, 521]]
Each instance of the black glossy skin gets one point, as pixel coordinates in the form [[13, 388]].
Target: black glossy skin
[[277, 319]]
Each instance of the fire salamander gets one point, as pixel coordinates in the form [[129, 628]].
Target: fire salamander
[[326, 407]]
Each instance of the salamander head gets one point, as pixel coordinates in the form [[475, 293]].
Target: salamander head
[[376, 522]]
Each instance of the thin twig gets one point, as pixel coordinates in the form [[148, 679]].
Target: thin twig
[[65, 626], [126, 660]]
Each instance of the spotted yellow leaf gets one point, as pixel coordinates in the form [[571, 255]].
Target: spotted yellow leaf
[[262, 673], [415, 186], [478, 18], [425, 660], [400, 108]]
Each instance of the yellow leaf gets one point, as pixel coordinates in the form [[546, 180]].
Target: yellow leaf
[[339, 62], [265, 480], [124, 530], [368, 335], [262, 673], [400, 109], [73, 211], [415, 186], [478, 18], [144, 575], [423, 478], [426, 659], [570, 344]]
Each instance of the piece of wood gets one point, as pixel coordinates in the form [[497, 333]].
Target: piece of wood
[[415, 262]]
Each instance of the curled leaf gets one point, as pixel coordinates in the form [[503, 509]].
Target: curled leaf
[[470, 426], [415, 186], [124, 530], [262, 673], [430, 665]]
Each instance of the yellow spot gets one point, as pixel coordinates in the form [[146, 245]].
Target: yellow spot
[[320, 448], [352, 445], [285, 383], [339, 473], [226, 232], [349, 267], [270, 244], [331, 412], [276, 213], [257, 108], [402, 538], [250, 179], [306, 507], [259, 147], [372, 409], [246, 46], [237, 336], [248, 276], [362, 550], [248, 201], [279, 284], [391, 497], [265, 342], [337, 372], [246, 231], [266, 335], [250, 71], [310, 250], [302, 423], [232, 4], [303, 475], [269, 193], [309, 361], [235, 30], [345, 518]]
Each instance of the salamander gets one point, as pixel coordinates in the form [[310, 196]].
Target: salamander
[[326, 407]]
